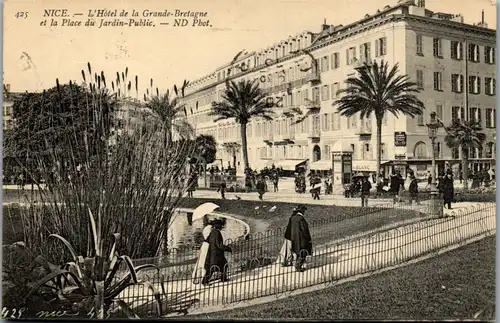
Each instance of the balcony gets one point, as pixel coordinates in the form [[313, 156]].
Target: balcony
[[314, 77], [360, 63], [313, 104], [314, 134], [364, 131], [286, 137], [268, 138]]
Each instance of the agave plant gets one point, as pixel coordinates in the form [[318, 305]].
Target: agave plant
[[92, 280]]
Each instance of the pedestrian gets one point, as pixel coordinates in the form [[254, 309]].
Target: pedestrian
[[315, 190], [261, 187], [275, 182], [192, 184], [429, 180], [222, 188], [199, 268], [448, 190], [366, 186], [216, 261], [298, 233], [395, 184], [413, 189]]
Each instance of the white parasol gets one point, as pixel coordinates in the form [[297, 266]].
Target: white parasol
[[204, 209]]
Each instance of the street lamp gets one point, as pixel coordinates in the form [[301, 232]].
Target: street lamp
[[436, 207]]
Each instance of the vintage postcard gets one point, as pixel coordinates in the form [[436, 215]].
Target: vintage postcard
[[279, 159]]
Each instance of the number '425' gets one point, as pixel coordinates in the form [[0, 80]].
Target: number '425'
[[22, 15]]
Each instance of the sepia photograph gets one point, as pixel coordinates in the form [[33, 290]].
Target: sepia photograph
[[249, 160]]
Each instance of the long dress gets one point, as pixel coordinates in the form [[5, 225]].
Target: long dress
[[199, 268], [285, 256]]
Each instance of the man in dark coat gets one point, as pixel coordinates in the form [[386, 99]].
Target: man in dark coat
[[222, 189], [261, 187], [413, 189], [298, 233], [366, 186], [448, 189], [216, 260], [395, 185]]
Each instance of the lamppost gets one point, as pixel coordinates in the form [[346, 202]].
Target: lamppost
[[436, 207]]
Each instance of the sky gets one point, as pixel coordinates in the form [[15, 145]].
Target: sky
[[35, 55]]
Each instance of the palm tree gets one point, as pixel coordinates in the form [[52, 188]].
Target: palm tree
[[465, 135], [171, 114], [379, 90], [242, 101]]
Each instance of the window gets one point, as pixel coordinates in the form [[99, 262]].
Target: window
[[489, 55], [455, 153], [457, 113], [438, 81], [353, 148], [473, 53], [420, 79], [367, 152], [420, 119], [315, 94], [437, 47], [474, 84], [335, 89], [490, 150], [490, 117], [324, 122], [439, 111], [364, 52], [420, 150], [324, 64], [456, 50], [337, 121], [489, 86], [438, 150], [325, 93], [350, 55], [335, 60], [475, 115], [380, 46], [331, 121], [457, 83], [420, 50]]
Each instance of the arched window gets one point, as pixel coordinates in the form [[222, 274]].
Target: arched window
[[420, 150]]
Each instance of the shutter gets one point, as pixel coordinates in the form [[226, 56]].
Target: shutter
[[479, 117], [488, 118], [362, 52], [452, 47], [494, 118], [327, 90], [478, 85], [347, 56], [384, 46], [368, 51], [461, 83], [493, 87], [486, 56], [354, 52], [477, 52], [377, 47], [462, 113]]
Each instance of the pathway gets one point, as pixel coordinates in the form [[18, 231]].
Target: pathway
[[328, 264]]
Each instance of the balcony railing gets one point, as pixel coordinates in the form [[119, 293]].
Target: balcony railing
[[313, 104], [364, 130], [316, 133], [268, 137], [289, 136], [309, 77]]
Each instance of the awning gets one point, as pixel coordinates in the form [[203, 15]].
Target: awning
[[287, 164], [323, 164]]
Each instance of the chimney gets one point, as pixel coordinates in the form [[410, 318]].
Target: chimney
[[482, 16], [324, 26]]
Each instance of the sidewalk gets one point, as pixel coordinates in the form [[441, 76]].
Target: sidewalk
[[329, 264]]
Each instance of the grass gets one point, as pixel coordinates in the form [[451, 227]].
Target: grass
[[456, 285]]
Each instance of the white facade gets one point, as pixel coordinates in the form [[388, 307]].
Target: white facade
[[416, 39]]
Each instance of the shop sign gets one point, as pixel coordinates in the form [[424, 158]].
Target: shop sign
[[400, 139]]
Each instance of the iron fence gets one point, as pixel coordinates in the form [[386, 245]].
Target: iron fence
[[255, 269]]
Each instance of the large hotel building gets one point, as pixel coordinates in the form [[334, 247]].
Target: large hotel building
[[452, 62]]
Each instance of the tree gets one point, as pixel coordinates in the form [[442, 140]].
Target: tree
[[465, 135], [242, 101], [378, 90], [171, 113], [206, 150], [55, 116]]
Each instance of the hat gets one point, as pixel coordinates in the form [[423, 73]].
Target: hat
[[449, 172], [218, 221], [300, 208]]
